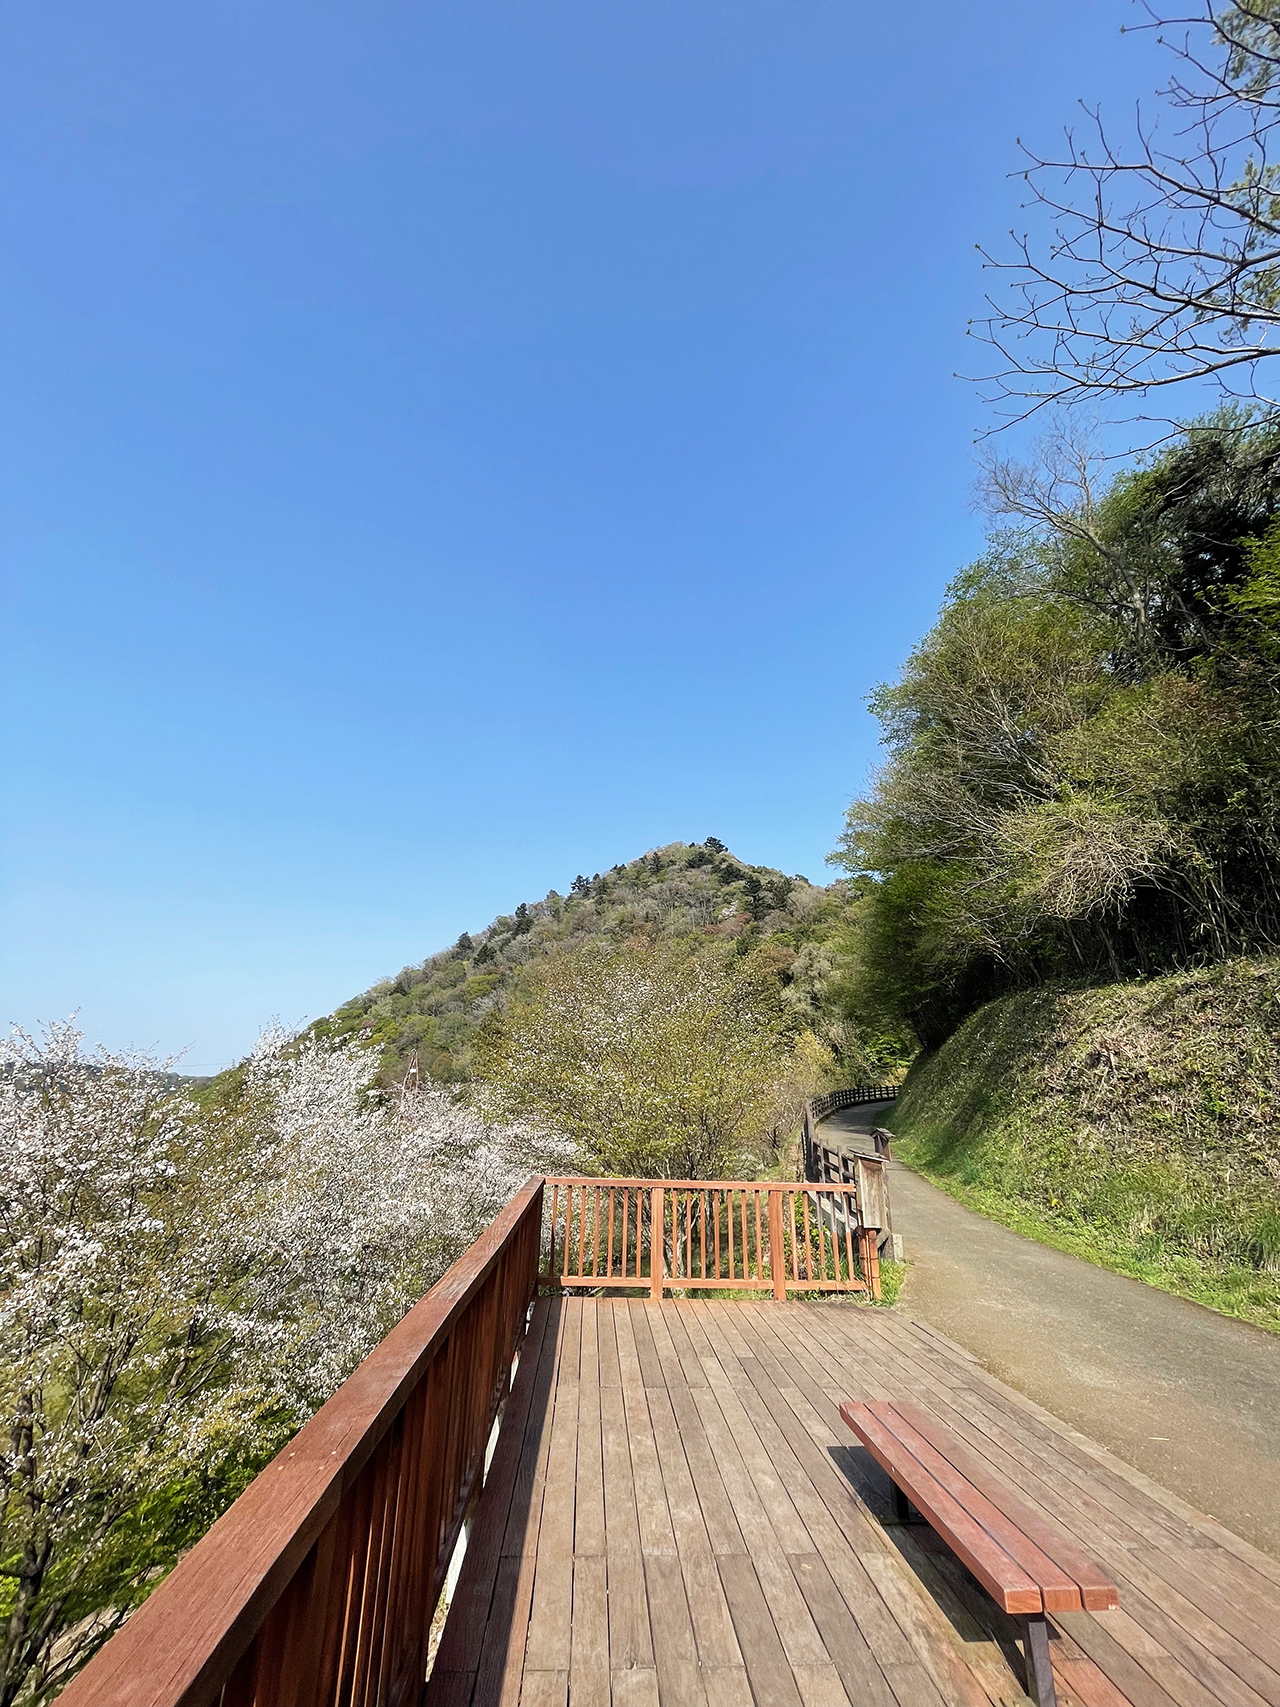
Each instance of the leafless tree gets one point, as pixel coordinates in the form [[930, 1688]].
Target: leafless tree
[[1155, 263]]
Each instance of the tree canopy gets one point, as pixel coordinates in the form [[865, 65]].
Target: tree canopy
[[657, 1060], [1084, 762]]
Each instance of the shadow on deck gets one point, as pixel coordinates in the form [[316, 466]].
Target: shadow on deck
[[675, 1513]]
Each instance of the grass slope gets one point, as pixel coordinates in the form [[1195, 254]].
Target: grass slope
[[1135, 1124], [682, 890]]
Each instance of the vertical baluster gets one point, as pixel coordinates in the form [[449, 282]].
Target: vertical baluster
[[848, 1236], [406, 1633], [688, 1234], [582, 1231], [791, 1218], [626, 1214], [595, 1237], [367, 1633], [777, 1246], [240, 1687], [759, 1274], [609, 1268], [808, 1240], [728, 1221], [555, 1205], [715, 1200], [702, 1231], [871, 1261], [657, 1241]]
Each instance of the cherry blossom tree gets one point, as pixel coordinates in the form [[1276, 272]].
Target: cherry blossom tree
[[180, 1287]]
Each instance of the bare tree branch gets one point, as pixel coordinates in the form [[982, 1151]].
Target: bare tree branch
[[1162, 265]]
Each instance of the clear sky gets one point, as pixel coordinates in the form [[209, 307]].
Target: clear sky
[[449, 445]]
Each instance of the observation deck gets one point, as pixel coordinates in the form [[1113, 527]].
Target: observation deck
[[661, 1504]]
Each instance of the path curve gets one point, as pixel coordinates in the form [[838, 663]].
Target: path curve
[[1189, 1397]]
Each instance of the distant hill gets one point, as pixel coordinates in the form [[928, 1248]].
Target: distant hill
[[682, 890]]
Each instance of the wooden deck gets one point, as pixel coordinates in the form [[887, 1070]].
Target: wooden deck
[[675, 1513]]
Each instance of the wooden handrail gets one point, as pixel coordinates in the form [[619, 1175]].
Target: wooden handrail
[[319, 1584], [714, 1235]]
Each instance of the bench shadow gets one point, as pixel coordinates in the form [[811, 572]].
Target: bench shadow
[[972, 1614]]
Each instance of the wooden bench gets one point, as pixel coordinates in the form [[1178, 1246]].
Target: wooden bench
[[1026, 1565]]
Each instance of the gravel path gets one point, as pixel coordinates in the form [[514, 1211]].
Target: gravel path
[[1187, 1396]]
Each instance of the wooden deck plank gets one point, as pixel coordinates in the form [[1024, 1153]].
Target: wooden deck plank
[[676, 1517], [589, 1684], [766, 1661], [1101, 1525], [656, 1533], [863, 1680], [674, 1644], [548, 1651], [630, 1641], [588, 1517], [690, 1364], [712, 1623]]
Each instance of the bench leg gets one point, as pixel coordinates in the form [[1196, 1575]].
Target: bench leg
[[1039, 1665], [901, 1505]]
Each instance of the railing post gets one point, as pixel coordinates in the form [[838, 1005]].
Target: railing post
[[777, 1248], [657, 1245]]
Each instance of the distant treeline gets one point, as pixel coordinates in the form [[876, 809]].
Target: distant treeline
[[1083, 778]]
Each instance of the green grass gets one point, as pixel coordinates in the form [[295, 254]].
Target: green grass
[[1134, 1125], [892, 1275], [1233, 1289]]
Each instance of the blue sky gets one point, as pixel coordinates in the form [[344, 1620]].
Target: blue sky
[[448, 447]]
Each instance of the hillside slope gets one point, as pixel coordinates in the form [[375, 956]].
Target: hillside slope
[[1137, 1124], [682, 890]]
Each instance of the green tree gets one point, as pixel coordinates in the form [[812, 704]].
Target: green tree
[[656, 1060], [1084, 776]]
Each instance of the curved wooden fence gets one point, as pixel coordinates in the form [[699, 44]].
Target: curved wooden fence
[[842, 1164], [849, 1097]]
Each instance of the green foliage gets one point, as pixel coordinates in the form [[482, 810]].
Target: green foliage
[[683, 893], [1133, 1123], [1084, 772], [657, 1059]]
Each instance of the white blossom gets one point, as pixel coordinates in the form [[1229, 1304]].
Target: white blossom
[[181, 1286]]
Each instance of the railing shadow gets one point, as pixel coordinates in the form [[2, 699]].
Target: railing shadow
[[481, 1648]]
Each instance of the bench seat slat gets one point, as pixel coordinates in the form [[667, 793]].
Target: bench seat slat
[[1002, 1577], [1058, 1591], [1097, 1592]]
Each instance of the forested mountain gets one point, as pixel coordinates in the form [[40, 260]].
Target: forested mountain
[[687, 891]]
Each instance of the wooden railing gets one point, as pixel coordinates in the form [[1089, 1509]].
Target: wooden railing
[[319, 1585], [721, 1235], [849, 1097], [827, 1163]]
